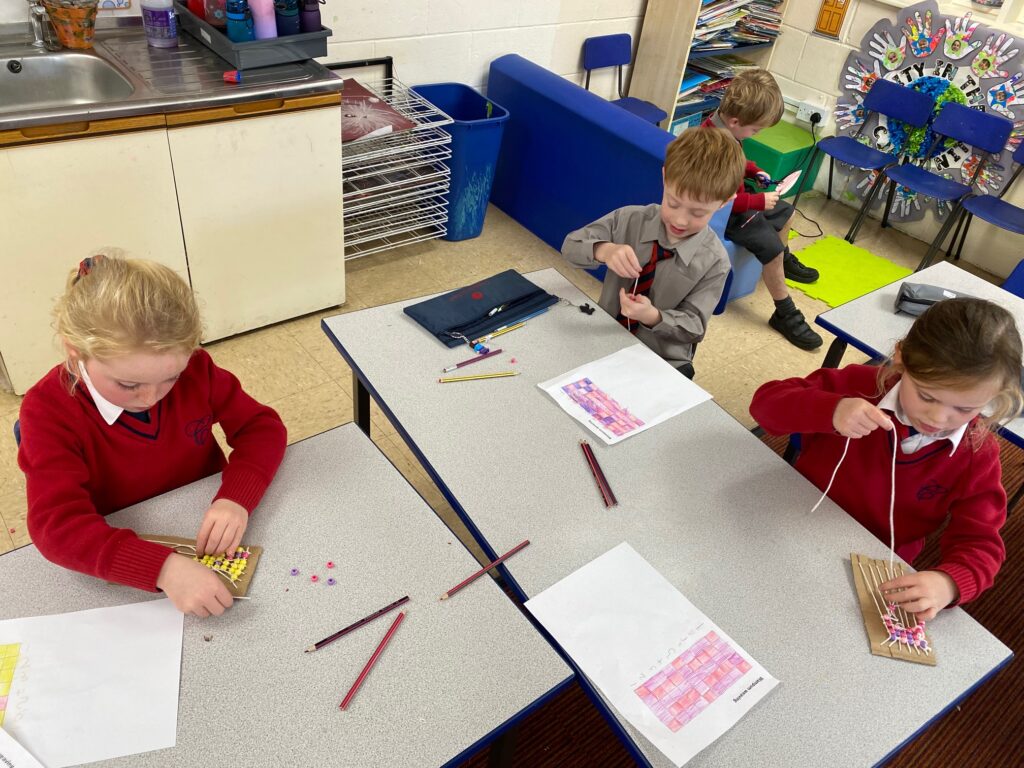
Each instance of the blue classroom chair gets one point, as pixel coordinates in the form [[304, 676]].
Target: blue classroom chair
[[17, 432], [986, 133], [615, 51], [1015, 282], [896, 102], [995, 210]]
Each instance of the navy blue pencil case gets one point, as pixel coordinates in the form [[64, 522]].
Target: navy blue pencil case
[[478, 309]]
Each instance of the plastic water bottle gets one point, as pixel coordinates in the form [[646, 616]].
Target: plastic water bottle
[[159, 23], [239, 21], [309, 16], [215, 13], [264, 24], [286, 12], [198, 8]]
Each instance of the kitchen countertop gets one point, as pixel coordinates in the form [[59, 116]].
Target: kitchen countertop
[[165, 80]]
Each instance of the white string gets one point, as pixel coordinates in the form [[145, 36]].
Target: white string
[[834, 473], [636, 282]]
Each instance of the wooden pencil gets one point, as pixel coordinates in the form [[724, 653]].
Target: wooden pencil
[[603, 480], [593, 471], [498, 375], [357, 624], [373, 660], [484, 570]]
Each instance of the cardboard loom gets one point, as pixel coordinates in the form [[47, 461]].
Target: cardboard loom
[[237, 585], [872, 603]]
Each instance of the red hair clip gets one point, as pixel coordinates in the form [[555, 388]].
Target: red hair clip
[[85, 265]]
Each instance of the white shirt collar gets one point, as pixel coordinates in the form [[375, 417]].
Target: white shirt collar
[[107, 409], [891, 402]]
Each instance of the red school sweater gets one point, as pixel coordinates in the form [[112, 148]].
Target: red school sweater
[[931, 485], [744, 201], [79, 468]]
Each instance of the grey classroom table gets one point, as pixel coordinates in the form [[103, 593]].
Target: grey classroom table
[[715, 511], [454, 674], [871, 324]]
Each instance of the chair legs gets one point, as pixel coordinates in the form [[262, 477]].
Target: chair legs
[[831, 168], [888, 204], [862, 213], [937, 242], [963, 236], [803, 178]]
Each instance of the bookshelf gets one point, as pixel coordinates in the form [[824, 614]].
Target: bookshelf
[[687, 47]]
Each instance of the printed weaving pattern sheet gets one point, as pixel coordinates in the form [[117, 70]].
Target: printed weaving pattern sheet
[[663, 665], [624, 393]]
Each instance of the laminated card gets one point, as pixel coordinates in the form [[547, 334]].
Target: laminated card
[[624, 393], [661, 663]]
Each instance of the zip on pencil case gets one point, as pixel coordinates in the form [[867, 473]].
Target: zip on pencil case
[[478, 309], [915, 298]]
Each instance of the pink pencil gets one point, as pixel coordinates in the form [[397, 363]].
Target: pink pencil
[[373, 660]]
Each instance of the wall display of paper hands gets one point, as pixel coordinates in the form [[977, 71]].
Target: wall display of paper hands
[[952, 58]]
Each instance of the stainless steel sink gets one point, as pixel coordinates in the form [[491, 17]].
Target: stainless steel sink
[[31, 79]]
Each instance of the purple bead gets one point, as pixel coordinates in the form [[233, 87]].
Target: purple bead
[[331, 582], [294, 571]]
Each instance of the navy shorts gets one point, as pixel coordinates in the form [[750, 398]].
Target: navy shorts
[[758, 231]]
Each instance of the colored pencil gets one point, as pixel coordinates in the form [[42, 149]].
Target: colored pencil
[[475, 359], [603, 479], [362, 622], [506, 328], [499, 375], [484, 570], [592, 463], [369, 664]]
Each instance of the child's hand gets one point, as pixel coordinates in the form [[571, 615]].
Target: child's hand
[[855, 417], [924, 593], [638, 307], [222, 528], [193, 588], [621, 259], [771, 199]]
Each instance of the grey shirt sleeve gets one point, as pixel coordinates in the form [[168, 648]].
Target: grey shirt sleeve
[[578, 246]]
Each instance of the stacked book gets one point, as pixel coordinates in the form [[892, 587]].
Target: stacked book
[[726, 24]]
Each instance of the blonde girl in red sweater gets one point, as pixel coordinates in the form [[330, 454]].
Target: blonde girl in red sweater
[[957, 372], [128, 416]]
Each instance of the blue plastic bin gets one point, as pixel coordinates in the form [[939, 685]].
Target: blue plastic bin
[[476, 139]]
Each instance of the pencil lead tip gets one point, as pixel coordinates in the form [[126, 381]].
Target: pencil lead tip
[[443, 597], [310, 649]]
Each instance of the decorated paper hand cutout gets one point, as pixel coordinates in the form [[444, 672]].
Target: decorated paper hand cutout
[[850, 115], [922, 41], [958, 45], [887, 52], [860, 78], [1001, 97], [905, 200], [988, 181], [993, 56]]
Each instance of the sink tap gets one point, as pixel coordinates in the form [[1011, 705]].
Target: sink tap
[[43, 33]]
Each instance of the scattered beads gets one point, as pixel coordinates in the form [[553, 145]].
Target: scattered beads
[[330, 563], [314, 578], [294, 571], [331, 582], [513, 361]]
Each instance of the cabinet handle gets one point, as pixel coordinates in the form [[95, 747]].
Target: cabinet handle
[[58, 131], [252, 109]]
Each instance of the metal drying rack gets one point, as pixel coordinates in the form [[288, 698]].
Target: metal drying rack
[[393, 186]]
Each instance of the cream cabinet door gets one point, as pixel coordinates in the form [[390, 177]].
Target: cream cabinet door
[[260, 200], [60, 200]]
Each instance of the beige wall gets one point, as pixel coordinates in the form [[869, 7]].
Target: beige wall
[[810, 67]]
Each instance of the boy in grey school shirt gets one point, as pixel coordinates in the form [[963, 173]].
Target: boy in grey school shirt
[[666, 268]]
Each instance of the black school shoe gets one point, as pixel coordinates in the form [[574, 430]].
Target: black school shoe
[[795, 329], [797, 272]]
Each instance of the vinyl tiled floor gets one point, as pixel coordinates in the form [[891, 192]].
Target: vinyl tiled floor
[[294, 368]]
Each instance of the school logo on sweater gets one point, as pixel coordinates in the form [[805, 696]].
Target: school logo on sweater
[[199, 429], [932, 490]]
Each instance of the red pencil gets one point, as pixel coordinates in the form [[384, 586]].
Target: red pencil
[[603, 479], [484, 570], [373, 660], [593, 470]]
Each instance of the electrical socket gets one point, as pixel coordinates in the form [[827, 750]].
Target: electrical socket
[[805, 111]]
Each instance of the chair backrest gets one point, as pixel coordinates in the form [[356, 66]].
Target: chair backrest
[[982, 130], [17, 432], [899, 102], [1015, 282], [607, 51]]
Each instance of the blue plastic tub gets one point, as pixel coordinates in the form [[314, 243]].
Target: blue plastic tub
[[476, 140]]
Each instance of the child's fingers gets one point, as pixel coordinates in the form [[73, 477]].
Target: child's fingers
[[878, 418], [203, 537]]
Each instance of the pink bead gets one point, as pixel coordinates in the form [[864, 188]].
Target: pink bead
[[330, 563], [314, 578]]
